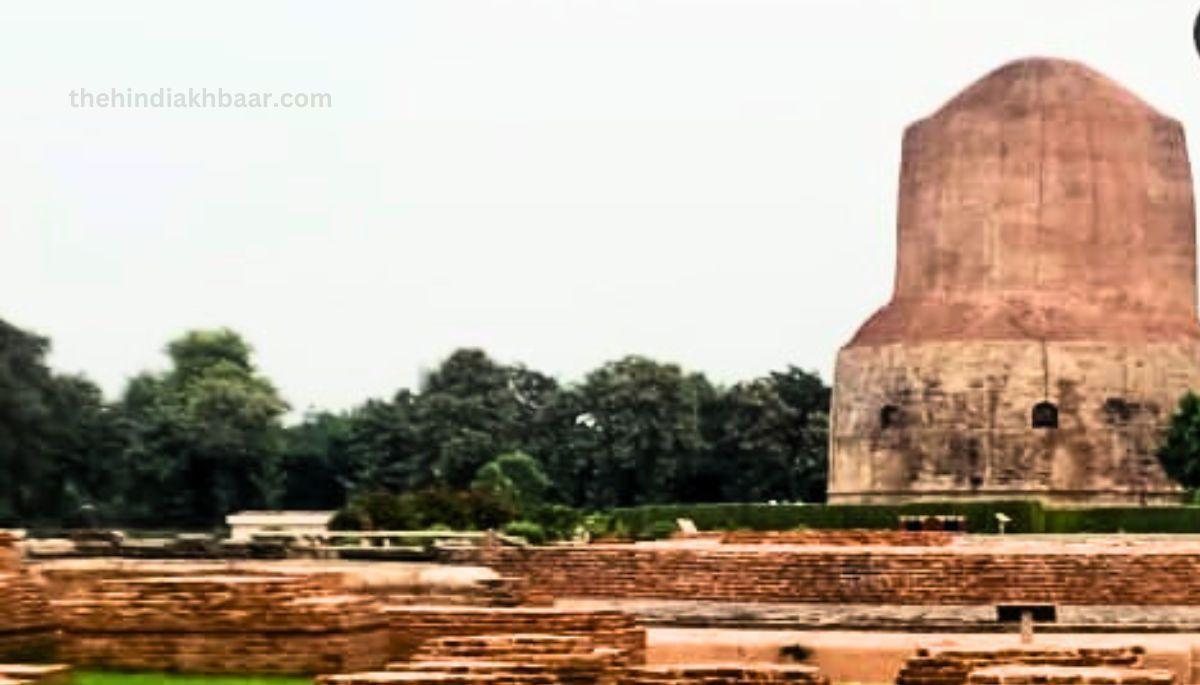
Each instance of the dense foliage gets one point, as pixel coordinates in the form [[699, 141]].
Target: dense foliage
[[478, 444], [1180, 450]]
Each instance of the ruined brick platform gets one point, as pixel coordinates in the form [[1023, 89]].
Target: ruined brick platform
[[722, 674], [27, 626], [850, 537], [1149, 573], [36, 674], [481, 677], [1066, 675], [223, 624], [953, 666], [411, 626]]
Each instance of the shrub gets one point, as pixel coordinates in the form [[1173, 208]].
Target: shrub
[[532, 532], [1026, 516], [558, 520], [1179, 453], [515, 477], [425, 509], [1178, 519], [350, 517], [658, 530]]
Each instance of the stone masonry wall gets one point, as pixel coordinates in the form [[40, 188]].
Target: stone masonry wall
[[961, 411]]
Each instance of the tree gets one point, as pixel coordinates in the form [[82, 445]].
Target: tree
[[515, 477], [1180, 450], [58, 441], [472, 408], [641, 439], [25, 385], [87, 481], [769, 438], [205, 436], [317, 465]]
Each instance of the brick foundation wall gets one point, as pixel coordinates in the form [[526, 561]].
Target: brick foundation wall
[[767, 573], [1060, 675], [244, 652], [412, 626], [222, 624], [953, 666], [840, 538], [27, 626], [729, 674]]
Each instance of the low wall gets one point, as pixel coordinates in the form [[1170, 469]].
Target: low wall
[[222, 624], [725, 674], [411, 626], [970, 574], [952, 666], [27, 626], [393, 582], [841, 538]]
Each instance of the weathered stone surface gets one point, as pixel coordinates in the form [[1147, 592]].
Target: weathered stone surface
[[1046, 253]]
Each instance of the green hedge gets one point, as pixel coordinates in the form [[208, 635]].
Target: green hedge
[[1026, 517], [1123, 520]]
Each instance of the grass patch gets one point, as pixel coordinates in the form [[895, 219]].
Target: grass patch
[[152, 678]]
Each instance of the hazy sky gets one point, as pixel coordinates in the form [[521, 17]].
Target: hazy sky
[[561, 182]]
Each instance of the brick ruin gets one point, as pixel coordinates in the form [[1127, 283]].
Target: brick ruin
[[35, 674], [293, 623], [222, 624], [412, 626], [840, 538], [1069, 675], [1029, 665], [953, 665], [1043, 323], [27, 627], [1148, 575], [547, 659], [131, 616]]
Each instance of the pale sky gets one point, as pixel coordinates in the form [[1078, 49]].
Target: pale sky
[[560, 182]]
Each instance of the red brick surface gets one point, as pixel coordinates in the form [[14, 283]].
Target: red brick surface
[[223, 624], [412, 626], [770, 573], [27, 626]]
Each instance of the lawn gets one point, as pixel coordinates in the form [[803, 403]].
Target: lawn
[[118, 678]]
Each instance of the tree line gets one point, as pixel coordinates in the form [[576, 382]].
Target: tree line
[[185, 446]]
